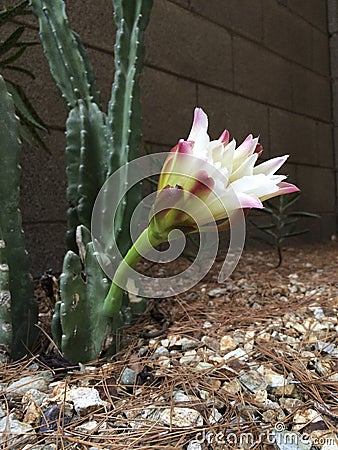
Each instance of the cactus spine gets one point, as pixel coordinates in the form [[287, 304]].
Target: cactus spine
[[96, 146], [17, 281]]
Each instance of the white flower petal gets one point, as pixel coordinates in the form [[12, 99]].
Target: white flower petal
[[271, 166]]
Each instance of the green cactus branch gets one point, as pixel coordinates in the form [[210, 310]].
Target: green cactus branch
[[70, 68], [23, 306]]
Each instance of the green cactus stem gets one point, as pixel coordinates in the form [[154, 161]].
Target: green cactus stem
[[68, 63], [86, 164], [23, 307], [78, 323], [124, 122]]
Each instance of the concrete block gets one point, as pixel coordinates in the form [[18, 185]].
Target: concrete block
[[168, 103], [336, 147], [314, 11], [94, 22], [43, 181], [325, 147], [45, 243], [334, 55], [318, 189], [332, 16], [183, 3], [239, 115], [311, 93], [183, 43], [321, 52], [244, 17], [335, 101], [261, 74], [286, 33], [294, 135]]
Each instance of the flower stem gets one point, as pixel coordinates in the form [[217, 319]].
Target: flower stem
[[144, 243]]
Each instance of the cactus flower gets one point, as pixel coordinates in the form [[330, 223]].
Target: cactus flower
[[206, 180]]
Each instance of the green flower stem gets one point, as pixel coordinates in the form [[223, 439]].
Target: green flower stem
[[144, 243]]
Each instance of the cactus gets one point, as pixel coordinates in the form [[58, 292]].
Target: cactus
[[82, 284], [18, 279], [124, 113], [96, 146]]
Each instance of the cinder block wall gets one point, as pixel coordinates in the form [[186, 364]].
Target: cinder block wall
[[255, 66]]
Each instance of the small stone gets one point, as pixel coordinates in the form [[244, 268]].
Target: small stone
[[217, 292], [128, 377], [323, 367], [187, 344], [165, 342], [227, 344], [215, 416], [86, 400], [180, 397], [239, 353], [253, 381], [302, 418], [211, 343], [32, 414], [290, 404], [13, 431], [33, 395], [204, 366], [2, 411], [161, 351], [286, 390], [231, 387], [87, 427], [40, 382], [53, 419], [325, 347], [273, 378], [270, 416], [181, 417], [189, 357], [261, 396]]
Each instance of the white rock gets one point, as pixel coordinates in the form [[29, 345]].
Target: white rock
[[40, 382], [189, 357], [181, 417], [204, 366], [303, 417], [33, 395], [253, 381], [13, 431], [87, 427], [273, 378], [86, 400], [239, 353], [215, 416], [187, 344]]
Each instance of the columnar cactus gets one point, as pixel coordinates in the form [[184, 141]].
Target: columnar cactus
[[97, 145], [15, 279]]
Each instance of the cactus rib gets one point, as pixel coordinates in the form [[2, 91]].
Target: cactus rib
[[23, 307]]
